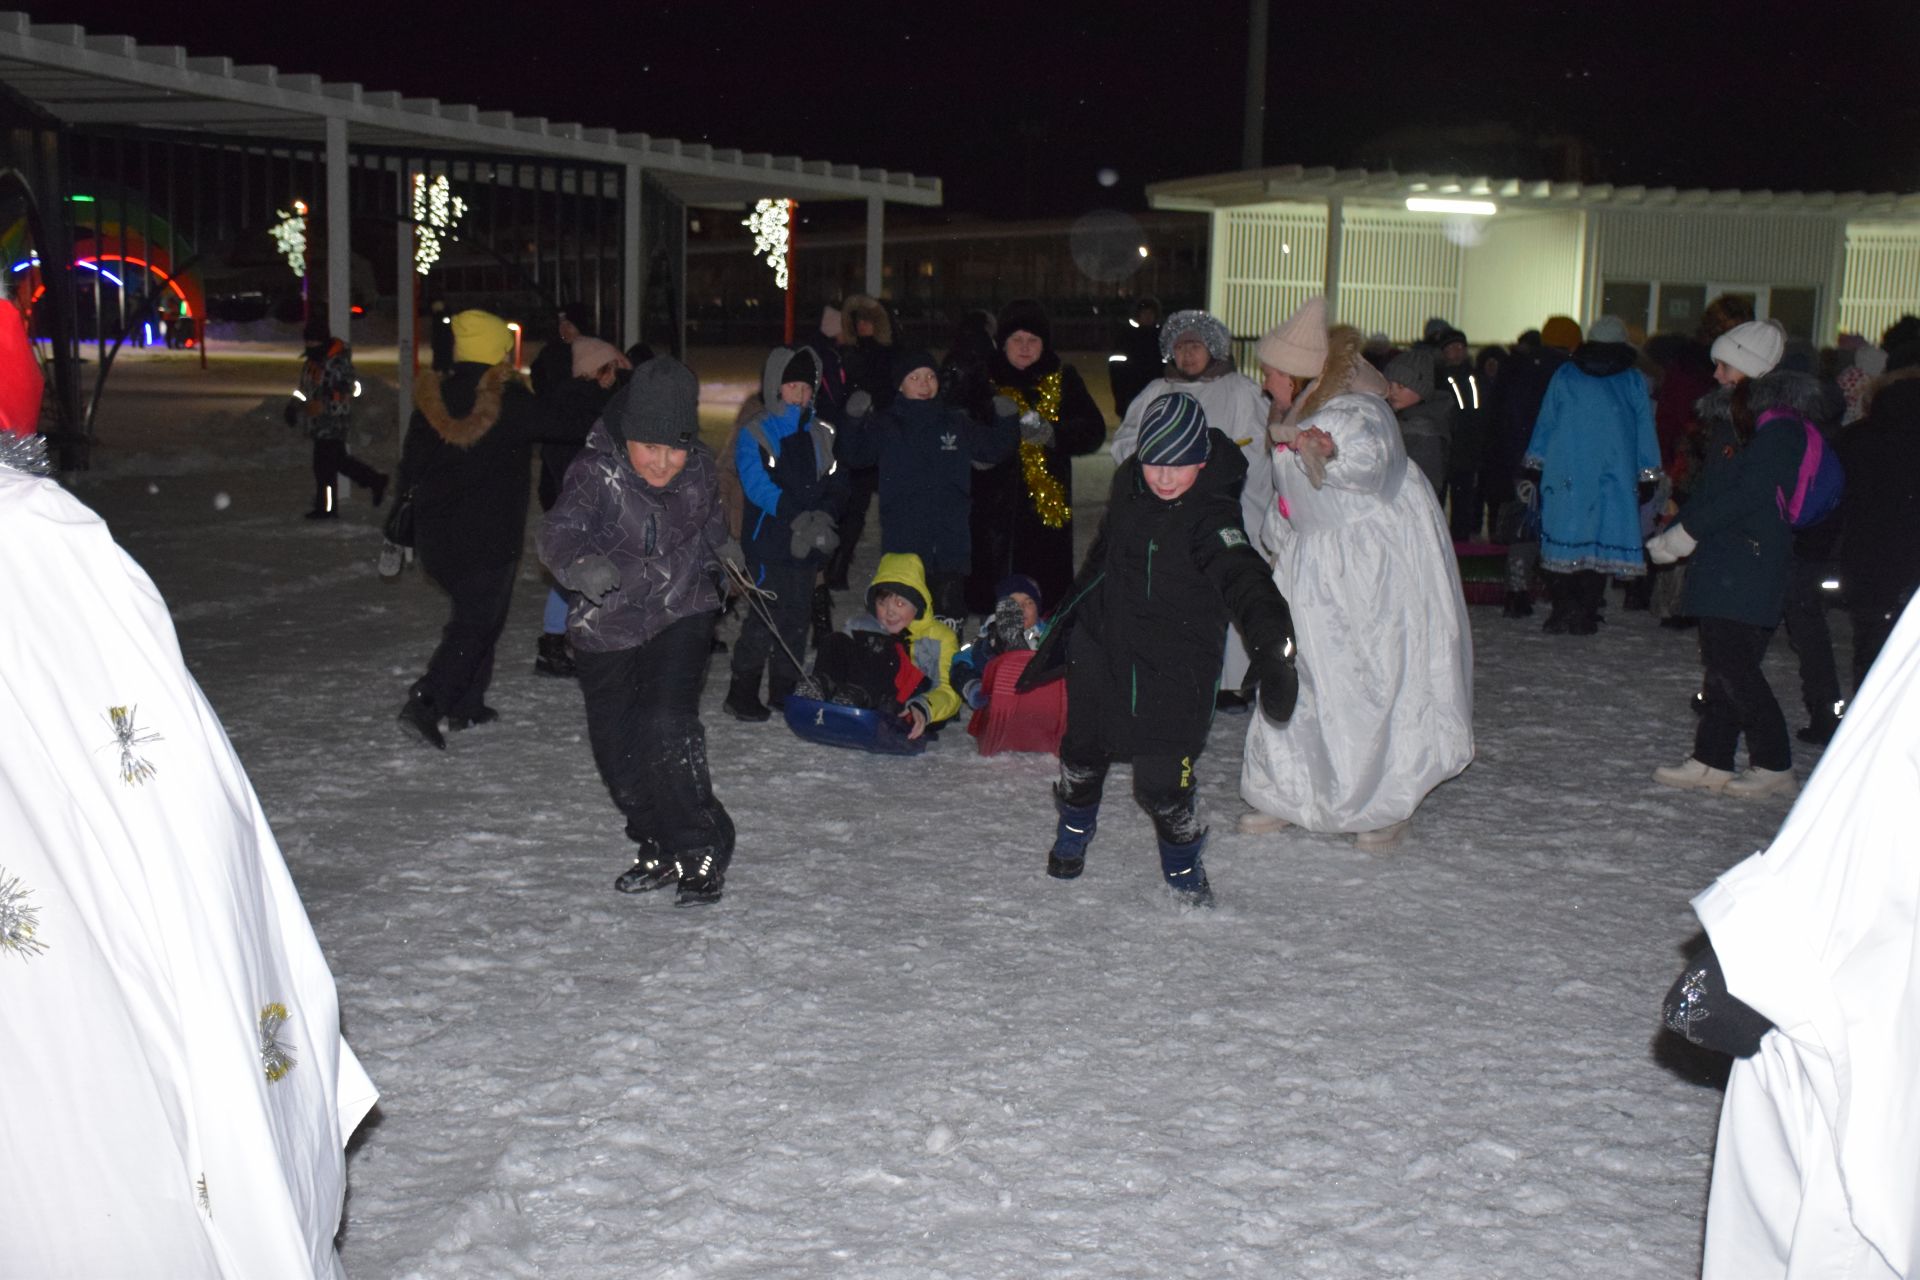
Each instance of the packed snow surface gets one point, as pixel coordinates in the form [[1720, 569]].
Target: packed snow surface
[[896, 1049]]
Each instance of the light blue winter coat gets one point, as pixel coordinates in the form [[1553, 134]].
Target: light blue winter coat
[[1593, 443]]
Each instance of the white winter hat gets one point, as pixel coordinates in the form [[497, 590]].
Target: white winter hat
[[1753, 348], [1298, 346]]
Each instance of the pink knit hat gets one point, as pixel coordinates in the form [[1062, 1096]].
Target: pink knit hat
[[1299, 346], [591, 355]]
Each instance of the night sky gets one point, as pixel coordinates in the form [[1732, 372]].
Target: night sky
[[1020, 106]]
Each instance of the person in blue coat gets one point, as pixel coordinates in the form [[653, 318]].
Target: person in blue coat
[[1595, 449], [793, 498], [927, 451]]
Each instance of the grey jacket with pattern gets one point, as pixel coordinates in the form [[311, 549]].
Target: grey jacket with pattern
[[664, 542]]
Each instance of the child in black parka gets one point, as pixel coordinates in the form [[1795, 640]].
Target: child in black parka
[[1142, 635]]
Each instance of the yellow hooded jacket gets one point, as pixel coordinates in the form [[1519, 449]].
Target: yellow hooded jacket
[[930, 642]]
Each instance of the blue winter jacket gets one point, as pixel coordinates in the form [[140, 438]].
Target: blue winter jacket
[[1593, 443], [780, 480]]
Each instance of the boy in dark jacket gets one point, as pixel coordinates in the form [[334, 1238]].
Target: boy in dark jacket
[[927, 451], [634, 536], [1143, 633], [784, 458]]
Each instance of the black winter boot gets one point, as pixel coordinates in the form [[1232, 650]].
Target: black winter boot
[[420, 719], [743, 701], [822, 620], [553, 658], [651, 870], [703, 873], [1180, 864], [1068, 857]]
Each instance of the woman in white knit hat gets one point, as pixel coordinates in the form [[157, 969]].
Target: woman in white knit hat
[[1363, 556], [1741, 548]]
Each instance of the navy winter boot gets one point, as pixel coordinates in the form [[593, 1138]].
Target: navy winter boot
[[1068, 857], [1180, 864]]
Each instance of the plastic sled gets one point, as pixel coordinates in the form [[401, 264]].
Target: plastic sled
[[856, 728]]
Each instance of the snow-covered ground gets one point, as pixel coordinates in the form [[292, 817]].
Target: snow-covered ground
[[897, 1049]]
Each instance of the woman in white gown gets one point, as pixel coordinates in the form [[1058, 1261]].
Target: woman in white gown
[[1362, 554], [175, 1095]]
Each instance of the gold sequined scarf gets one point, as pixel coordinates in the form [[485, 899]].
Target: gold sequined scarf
[[1048, 498]]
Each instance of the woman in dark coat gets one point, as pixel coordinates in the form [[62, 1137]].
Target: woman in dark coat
[[468, 465], [1023, 508]]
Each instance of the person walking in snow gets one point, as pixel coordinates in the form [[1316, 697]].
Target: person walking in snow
[[1598, 458], [637, 535], [1362, 553], [467, 463], [1738, 548], [323, 404], [1141, 634]]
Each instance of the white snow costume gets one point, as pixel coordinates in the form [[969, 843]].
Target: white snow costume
[[175, 1095], [1237, 408], [1817, 1169], [1385, 655]]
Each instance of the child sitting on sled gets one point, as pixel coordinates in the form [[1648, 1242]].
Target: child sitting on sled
[[894, 658]]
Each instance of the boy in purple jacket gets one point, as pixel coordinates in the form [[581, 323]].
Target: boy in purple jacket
[[636, 533]]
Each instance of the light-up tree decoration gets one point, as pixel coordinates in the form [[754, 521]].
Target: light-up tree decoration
[[772, 225], [436, 219], [290, 237]]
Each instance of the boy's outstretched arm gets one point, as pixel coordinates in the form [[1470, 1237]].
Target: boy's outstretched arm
[[1245, 583]]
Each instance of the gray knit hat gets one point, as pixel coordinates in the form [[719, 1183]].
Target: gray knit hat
[[1201, 327], [662, 406], [1174, 432]]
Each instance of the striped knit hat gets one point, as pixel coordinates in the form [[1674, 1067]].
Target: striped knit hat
[[1174, 432]]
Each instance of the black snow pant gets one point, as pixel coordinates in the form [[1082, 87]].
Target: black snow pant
[[461, 667], [949, 587], [331, 461], [1806, 619], [643, 721], [1738, 699], [791, 609], [1162, 784]]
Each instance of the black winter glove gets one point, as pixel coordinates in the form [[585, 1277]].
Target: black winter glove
[[1279, 682], [594, 577], [1645, 491], [1701, 1008]]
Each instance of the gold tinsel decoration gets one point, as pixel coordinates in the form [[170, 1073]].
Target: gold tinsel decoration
[[1048, 498]]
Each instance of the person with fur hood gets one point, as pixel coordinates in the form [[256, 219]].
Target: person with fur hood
[[1363, 554], [1141, 634], [1598, 458], [636, 537], [792, 498], [1739, 550], [1023, 508], [1198, 352], [467, 465]]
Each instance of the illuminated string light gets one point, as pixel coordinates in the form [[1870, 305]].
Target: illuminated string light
[[290, 237], [436, 219], [771, 223]]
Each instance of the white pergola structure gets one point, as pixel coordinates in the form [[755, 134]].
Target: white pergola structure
[[110, 81], [1496, 256]]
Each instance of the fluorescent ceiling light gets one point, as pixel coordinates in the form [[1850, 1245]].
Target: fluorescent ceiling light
[[1437, 204]]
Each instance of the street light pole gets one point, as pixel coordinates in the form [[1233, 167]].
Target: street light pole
[[1253, 144]]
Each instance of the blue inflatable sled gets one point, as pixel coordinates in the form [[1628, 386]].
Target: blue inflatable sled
[[834, 725]]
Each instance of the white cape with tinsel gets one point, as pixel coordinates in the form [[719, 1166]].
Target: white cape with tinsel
[[1817, 1171], [144, 927], [1385, 656]]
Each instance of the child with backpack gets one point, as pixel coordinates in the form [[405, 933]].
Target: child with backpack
[[1736, 530]]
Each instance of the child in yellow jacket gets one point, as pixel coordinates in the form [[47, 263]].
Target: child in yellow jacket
[[894, 659]]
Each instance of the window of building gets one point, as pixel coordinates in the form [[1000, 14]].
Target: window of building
[[1629, 300]]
